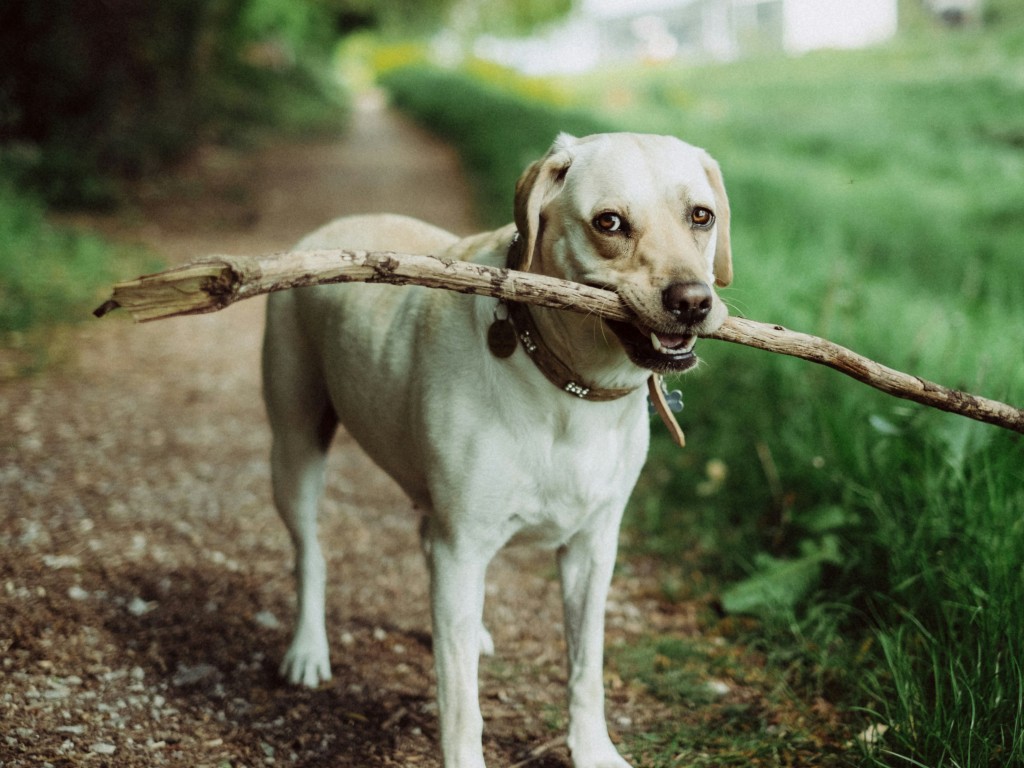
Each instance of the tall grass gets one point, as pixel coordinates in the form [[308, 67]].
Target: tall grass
[[878, 200], [951, 634]]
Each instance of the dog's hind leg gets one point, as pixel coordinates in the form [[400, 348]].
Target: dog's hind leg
[[303, 422], [297, 471]]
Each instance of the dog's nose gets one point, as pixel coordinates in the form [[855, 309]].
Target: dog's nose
[[689, 302]]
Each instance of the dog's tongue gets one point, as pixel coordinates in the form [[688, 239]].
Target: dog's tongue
[[671, 341]]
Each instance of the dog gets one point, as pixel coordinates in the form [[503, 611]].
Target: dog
[[503, 424]]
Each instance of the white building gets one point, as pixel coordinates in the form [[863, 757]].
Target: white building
[[606, 31]]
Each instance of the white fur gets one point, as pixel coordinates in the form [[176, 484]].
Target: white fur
[[489, 449]]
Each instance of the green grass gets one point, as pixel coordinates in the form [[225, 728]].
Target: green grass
[[728, 707], [51, 275], [951, 635], [878, 200]]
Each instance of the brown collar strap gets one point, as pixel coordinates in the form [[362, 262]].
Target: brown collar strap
[[526, 331], [557, 372]]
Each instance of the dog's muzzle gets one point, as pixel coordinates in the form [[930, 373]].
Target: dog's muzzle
[[687, 305], [655, 350]]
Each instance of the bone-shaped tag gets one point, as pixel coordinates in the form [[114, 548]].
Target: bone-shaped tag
[[673, 398]]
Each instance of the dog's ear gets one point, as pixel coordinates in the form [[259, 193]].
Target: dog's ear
[[538, 185], [723, 247]]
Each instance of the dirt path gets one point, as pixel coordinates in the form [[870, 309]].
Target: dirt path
[[145, 588]]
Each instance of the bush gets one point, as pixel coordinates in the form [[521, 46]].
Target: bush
[[107, 90], [51, 275]]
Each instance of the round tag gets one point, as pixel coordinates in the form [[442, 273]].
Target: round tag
[[501, 338]]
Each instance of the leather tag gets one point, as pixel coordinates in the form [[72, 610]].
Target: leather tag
[[656, 393], [501, 338]]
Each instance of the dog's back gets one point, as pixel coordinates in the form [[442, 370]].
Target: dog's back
[[309, 332], [379, 232]]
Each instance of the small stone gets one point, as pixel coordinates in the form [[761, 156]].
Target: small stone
[[25, 421], [267, 620], [75, 592], [194, 675], [718, 687], [103, 748], [140, 607], [57, 562]]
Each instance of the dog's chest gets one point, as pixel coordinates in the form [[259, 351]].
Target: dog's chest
[[573, 480]]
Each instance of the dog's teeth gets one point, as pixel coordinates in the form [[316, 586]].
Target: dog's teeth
[[673, 345]]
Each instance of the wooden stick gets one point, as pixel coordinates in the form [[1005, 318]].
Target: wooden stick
[[775, 338], [213, 283]]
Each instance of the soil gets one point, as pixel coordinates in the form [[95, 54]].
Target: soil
[[145, 585]]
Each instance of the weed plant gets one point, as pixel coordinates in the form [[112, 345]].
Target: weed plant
[[878, 200], [49, 274]]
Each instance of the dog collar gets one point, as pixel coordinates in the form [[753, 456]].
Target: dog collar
[[518, 327], [548, 363]]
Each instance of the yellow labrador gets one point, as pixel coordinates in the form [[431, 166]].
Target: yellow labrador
[[502, 424]]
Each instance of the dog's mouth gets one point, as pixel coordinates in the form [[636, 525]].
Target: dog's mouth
[[655, 350]]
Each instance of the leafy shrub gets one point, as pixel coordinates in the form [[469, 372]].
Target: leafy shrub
[[107, 90], [47, 274]]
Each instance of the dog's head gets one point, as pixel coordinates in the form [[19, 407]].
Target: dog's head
[[646, 216]]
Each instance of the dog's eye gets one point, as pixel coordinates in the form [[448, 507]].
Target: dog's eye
[[609, 222], [702, 217]]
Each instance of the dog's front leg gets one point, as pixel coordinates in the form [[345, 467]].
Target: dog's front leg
[[585, 567], [457, 600]]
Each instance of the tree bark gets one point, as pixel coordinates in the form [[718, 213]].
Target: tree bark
[[213, 283]]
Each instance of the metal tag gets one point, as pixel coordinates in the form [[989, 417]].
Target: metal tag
[[674, 399]]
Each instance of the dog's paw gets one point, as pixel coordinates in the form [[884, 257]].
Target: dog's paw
[[598, 754], [306, 664], [611, 761]]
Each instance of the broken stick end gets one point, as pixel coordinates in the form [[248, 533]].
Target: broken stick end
[[106, 308]]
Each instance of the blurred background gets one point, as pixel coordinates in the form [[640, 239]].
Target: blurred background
[[870, 551]]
